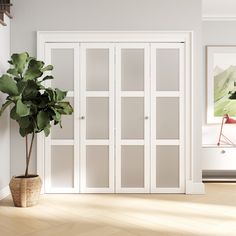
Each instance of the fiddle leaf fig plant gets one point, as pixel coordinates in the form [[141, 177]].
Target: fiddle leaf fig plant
[[34, 106]]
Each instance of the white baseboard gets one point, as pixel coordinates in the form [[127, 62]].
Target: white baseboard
[[4, 192], [195, 187]]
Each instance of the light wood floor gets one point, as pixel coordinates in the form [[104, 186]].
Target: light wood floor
[[125, 214]]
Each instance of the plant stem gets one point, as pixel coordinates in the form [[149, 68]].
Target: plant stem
[[29, 154], [26, 146]]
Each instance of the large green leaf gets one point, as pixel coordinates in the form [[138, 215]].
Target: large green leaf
[[13, 114], [42, 120], [64, 108], [60, 95], [21, 86], [51, 94], [42, 100], [25, 131], [31, 90], [13, 98], [33, 107], [22, 109], [24, 122], [56, 116], [34, 70], [19, 61], [8, 85], [4, 106], [48, 77], [47, 68], [47, 130], [13, 71]]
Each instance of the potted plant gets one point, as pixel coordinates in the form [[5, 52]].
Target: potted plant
[[35, 108]]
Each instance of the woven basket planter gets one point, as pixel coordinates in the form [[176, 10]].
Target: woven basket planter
[[25, 191]]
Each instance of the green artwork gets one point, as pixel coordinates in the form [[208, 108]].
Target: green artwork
[[224, 83]]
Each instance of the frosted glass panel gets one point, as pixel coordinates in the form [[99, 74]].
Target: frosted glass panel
[[167, 166], [97, 166], [63, 72], [62, 166], [132, 118], [167, 69], [132, 166], [97, 69], [67, 130], [167, 118], [132, 69], [97, 118]]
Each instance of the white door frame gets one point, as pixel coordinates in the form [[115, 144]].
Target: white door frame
[[186, 37]]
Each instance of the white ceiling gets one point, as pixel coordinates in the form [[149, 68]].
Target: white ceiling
[[219, 9]]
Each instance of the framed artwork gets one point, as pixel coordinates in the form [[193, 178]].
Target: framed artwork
[[221, 80]]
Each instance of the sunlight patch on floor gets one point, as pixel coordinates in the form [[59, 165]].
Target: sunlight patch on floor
[[125, 214]]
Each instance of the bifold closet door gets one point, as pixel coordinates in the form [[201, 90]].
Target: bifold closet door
[[167, 123], [97, 117], [132, 118], [61, 154]]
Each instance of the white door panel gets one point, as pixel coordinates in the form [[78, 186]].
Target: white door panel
[[97, 117], [132, 117], [167, 118], [61, 153]]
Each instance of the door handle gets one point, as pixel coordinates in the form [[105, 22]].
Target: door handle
[[82, 117], [146, 117]]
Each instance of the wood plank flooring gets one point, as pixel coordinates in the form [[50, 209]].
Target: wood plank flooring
[[213, 214]]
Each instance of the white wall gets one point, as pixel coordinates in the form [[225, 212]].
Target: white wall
[[216, 33], [219, 8], [4, 120], [33, 15]]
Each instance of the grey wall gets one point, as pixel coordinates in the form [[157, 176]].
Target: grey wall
[[216, 33], [4, 119], [33, 15]]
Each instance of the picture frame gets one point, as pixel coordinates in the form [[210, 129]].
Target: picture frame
[[221, 80]]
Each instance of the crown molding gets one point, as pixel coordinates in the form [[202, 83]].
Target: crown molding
[[219, 18]]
